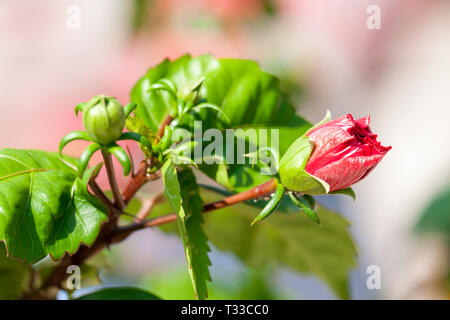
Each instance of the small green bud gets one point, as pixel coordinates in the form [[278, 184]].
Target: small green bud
[[189, 92], [104, 119], [166, 139]]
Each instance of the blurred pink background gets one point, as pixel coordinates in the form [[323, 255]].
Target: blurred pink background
[[399, 74]]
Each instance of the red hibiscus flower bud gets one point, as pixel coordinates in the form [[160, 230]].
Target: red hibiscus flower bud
[[345, 151], [331, 156]]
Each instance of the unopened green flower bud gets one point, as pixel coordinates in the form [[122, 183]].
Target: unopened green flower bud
[[104, 119], [189, 92]]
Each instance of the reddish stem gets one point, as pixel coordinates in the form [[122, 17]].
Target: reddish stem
[[163, 126], [254, 193], [112, 180], [109, 236], [141, 177], [110, 233], [137, 181]]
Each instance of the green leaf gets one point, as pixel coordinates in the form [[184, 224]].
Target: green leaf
[[241, 177], [271, 205], [137, 125], [249, 97], [86, 156], [188, 206], [436, 217], [44, 206], [122, 157], [239, 87], [136, 137], [120, 293], [129, 108], [155, 106], [290, 239], [172, 284], [14, 276], [71, 136], [285, 205], [204, 105], [218, 172], [305, 204], [347, 191]]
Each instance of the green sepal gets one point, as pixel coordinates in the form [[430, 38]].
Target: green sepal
[[166, 139], [91, 173], [182, 160], [324, 184], [292, 169], [311, 201], [321, 122], [86, 156], [189, 92], [347, 191], [184, 148], [79, 107], [272, 205], [71, 136], [122, 156], [292, 165], [163, 87], [305, 205], [138, 126], [169, 84], [136, 137], [206, 105], [129, 108]]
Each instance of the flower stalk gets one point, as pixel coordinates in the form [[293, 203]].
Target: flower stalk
[[118, 200]]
